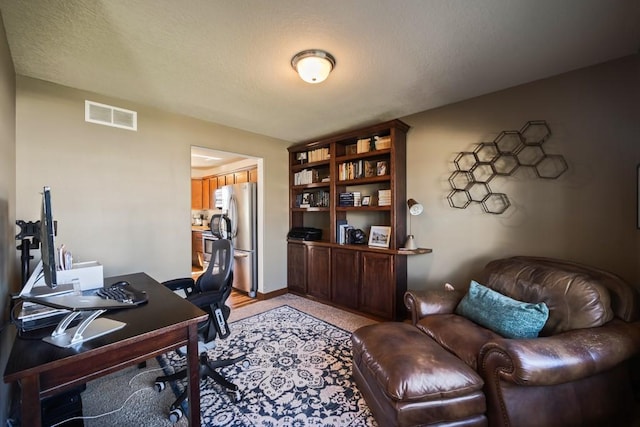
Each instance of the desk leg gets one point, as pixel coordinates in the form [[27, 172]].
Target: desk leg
[[31, 410], [193, 373]]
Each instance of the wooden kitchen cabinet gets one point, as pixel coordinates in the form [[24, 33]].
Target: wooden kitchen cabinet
[[196, 194], [253, 175], [206, 194], [319, 272], [240, 177], [229, 179], [196, 248]]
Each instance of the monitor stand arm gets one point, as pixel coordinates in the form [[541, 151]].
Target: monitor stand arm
[[88, 329]]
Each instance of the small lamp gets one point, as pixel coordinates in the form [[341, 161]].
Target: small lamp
[[313, 65], [415, 209]]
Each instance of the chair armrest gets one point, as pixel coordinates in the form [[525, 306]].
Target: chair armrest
[[424, 303], [186, 284], [565, 357]]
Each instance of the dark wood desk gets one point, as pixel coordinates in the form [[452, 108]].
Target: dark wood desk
[[166, 322]]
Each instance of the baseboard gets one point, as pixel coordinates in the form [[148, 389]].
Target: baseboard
[[261, 297]]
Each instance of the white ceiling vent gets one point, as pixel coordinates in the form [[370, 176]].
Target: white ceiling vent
[[108, 115]]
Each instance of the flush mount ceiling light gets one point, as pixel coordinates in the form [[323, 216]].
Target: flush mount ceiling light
[[313, 65]]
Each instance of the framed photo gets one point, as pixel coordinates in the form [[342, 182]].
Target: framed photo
[[379, 236], [302, 157], [381, 168], [366, 200]]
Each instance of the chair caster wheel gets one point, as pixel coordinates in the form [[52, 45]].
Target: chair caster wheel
[[159, 386], [234, 395], [175, 415]]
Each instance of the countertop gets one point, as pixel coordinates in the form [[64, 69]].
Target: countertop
[[199, 228]]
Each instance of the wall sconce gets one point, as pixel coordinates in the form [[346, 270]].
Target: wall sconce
[[415, 209], [313, 65]]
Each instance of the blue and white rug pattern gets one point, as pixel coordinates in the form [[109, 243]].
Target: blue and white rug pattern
[[299, 374]]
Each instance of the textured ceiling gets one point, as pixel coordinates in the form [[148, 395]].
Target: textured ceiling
[[228, 62]]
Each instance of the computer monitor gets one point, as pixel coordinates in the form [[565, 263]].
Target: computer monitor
[[47, 240]]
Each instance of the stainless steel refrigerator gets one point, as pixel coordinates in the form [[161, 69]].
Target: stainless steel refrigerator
[[239, 203]]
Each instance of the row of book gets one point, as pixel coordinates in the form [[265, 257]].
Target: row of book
[[318, 155], [362, 169], [306, 176], [316, 199], [353, 198]]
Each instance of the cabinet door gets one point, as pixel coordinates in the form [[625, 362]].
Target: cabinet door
[[196, 194], [253, 175], [319, 272], [345, 277], [296, 267], [228, 179], [206, 194], [377, 291], [239, 177], [196, 248]]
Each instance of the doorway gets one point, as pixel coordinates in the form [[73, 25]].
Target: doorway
[[211, 170]]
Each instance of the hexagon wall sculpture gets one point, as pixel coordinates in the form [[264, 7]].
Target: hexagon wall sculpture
[[502, 157]]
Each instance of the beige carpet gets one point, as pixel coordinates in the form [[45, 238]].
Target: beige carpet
[[146, 407]]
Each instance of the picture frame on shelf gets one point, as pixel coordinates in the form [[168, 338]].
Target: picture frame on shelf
[[366, 200], [379, 236], [302, 157], [382, 168]]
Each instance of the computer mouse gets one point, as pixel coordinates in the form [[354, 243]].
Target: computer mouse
[[121, 283]]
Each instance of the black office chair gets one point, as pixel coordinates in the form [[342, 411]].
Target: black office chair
[[209, 292]]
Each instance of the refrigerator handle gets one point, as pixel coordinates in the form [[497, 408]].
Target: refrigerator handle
[[233, 213]]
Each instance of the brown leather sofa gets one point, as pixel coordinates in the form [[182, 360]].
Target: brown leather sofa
[[575, 373]]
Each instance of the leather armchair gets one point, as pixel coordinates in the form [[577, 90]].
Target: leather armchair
[[575, 374]]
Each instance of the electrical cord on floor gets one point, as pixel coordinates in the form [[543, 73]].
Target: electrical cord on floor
[[93, 417]]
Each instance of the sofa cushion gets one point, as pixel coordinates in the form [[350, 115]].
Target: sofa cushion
[[575, 299], [408, 366], [508, 317], [458, 335]]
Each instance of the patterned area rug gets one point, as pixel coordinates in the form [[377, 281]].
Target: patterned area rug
[[299, 374]]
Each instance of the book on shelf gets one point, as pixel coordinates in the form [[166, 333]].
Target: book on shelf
[[363, 145], [343, 233], [345, 199], [317, 199], [306, 176], [339, 224], [384, 197], [319, 154], [357, 198]]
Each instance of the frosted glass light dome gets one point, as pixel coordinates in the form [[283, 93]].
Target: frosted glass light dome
[[314, 65]]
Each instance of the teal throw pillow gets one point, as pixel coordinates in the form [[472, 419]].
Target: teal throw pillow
[[506, 316]]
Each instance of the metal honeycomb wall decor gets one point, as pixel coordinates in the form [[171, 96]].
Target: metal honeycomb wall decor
[[509, 151]]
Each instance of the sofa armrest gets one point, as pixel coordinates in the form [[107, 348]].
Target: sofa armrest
[[565, 357], [424, 303]]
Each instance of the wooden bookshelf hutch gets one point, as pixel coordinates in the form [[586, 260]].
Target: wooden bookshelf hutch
[[358, 277]]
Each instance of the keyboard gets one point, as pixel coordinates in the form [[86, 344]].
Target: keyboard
[[123, 292]]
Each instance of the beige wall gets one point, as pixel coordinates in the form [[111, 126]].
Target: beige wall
[[123, 197], [8, 280], [588, 214]]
